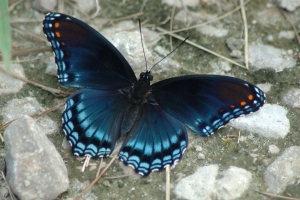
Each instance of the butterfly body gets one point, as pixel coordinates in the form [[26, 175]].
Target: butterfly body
[[114, 103]]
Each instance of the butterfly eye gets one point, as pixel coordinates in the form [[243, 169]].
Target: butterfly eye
[[150, 77], [142, 75]]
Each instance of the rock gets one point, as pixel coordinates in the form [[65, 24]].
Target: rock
[[17, 108], [9, 84], [44, 5], [35, 170], [191, 3], [201, 156], [266, 56], [270, 122], [292, 97], [265, 87], [284, 171], [212, 31], [199, 185], [235, 44], [290, 5], [234, 183], [86, 6], [289, 35], [273, 149]]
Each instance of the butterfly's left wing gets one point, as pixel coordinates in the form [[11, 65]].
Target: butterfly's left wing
[[156, 140], [207, 102]]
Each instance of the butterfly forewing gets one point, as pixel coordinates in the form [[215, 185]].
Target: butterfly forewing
[[206, 102], [85, 59]]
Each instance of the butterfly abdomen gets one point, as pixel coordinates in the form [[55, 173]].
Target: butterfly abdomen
[[129, 118]]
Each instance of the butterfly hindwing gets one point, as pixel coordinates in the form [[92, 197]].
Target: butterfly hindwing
[[85, 59], [207, 102], [156, 140], [92, 121]]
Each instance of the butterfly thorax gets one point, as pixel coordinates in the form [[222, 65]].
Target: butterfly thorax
[[141, 89], [137, 95]]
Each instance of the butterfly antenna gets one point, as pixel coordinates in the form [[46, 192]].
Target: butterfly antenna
[[143, 43], [170, 52]]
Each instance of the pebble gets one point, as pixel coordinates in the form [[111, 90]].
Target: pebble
[[284, 171], [269, 122], [233, 184], [17, 108], [204, 185], [235, 44], [199, 185], [44, 5], [265, 87], [266, 56], [290, 5], [292, 97], [34, 167], [273, 149], [191, 3], [9, 84], [289, 35], [86, 6], [201, 156]]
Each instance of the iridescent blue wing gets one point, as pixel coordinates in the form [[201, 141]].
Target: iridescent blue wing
[[85, 59], [207, 102], [156, 140], [91, 121]]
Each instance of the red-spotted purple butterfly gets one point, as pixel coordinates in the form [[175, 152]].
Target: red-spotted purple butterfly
[[114, 103]]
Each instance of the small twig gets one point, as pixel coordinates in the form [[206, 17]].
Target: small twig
[[277, 196], [49, 110], [199, 46], [167, 197], [96, 179], [23, 52], [245, 33], [117, 177], [171, 24], [127, 17], [52, 90], [99, 168], [86, 163], [293, 26], [97, 9], [11, 194], [213, 20]]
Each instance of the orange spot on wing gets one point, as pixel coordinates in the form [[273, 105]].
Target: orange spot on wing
[[232, 106], [57, 34], [62, 44], [56, 24], [250, 97], [221, 110], [243, 103]]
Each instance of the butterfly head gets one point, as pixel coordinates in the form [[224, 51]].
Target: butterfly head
[[146, 76]]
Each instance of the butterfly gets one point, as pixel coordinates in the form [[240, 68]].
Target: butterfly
[[114, 103]]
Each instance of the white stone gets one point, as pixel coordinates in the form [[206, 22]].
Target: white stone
[[290, 5], [292, 97], [199, 185], [213, 31], [286, 35], [9, 84], [178, 3], [17, 108], [270, 122], [284, 171], [265, 87], [273, 149], [233, 184], [266, 56]]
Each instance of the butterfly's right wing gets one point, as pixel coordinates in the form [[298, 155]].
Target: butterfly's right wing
[[92, 121], [85, 58]]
